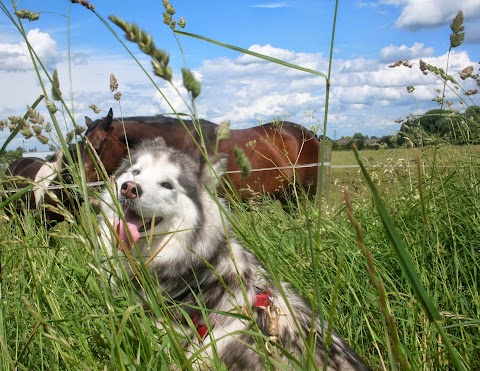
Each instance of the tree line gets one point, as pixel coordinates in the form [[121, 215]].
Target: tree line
[[434, 127]]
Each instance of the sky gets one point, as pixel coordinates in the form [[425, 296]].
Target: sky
[[366, 95]]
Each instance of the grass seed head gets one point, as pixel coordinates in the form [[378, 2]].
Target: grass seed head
[[396, 64], [167, 18], [37, 129], [113, 83], [458, 34], [84, 3], [181, 22], [42, 139], [223, 130], [51, 107], [27, 14], [191, 83], [145, 42], [94, 108], [242, 161], [27, 133], [56, 93], [466, 72]]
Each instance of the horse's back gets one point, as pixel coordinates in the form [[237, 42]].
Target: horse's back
[[26, 167], [307, 153], [279, 153]]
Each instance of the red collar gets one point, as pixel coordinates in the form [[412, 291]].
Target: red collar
[[261, 301]]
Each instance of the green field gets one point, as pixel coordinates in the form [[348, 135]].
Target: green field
[[394, 170], [444, 153]]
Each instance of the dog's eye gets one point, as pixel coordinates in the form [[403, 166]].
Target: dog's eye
[[136, 172], [166, 185]]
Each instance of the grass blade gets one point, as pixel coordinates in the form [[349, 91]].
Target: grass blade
[[249, 52]]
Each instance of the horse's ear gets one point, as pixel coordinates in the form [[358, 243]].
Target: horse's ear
[[88, 121], [107, 121]]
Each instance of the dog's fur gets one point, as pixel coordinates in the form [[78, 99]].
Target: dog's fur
[[198, 263]]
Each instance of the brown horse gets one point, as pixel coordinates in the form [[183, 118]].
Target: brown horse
[[280, 153]]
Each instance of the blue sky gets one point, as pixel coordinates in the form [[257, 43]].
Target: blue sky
[[366, 95]]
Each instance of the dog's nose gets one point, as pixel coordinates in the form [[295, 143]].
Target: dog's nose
[[131, 190]]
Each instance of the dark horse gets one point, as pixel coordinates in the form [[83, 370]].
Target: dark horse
[[25, 171], [279, 153]]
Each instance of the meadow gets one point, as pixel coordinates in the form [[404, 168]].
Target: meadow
[[59, 311], [389, 256]]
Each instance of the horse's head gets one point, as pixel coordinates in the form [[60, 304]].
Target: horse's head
[[102, 142]]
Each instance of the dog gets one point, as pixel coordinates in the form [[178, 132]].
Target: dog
[[171, 218]]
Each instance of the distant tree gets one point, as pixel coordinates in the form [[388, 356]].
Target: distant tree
[[359, 136], [12, 155], [388, 141], [359, 140], [436, 121], [468, 126], [433, 127], [336, 146], [473, 113]]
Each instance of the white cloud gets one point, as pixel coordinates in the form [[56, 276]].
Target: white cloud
[[393, 53], [15, 56], [366, 95], [282, 54], [418, 14]]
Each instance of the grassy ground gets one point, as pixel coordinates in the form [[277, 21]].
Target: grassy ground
[[377, 156], [394, 170], [58, 310]]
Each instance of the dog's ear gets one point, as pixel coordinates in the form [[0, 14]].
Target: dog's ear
[[213, 169], [159, 141]]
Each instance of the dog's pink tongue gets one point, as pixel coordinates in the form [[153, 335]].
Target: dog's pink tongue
[[120, 228]]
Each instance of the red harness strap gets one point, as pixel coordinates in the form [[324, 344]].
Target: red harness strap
[[202, 330], [261, 301]]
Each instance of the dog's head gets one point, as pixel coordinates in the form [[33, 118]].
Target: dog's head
[[163, 189]]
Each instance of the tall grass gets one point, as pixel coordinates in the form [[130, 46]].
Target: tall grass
[[59, 310]]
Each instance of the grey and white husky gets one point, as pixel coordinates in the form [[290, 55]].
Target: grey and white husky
[[172, 221]]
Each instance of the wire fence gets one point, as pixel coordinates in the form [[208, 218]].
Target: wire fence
[[100, 183]]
